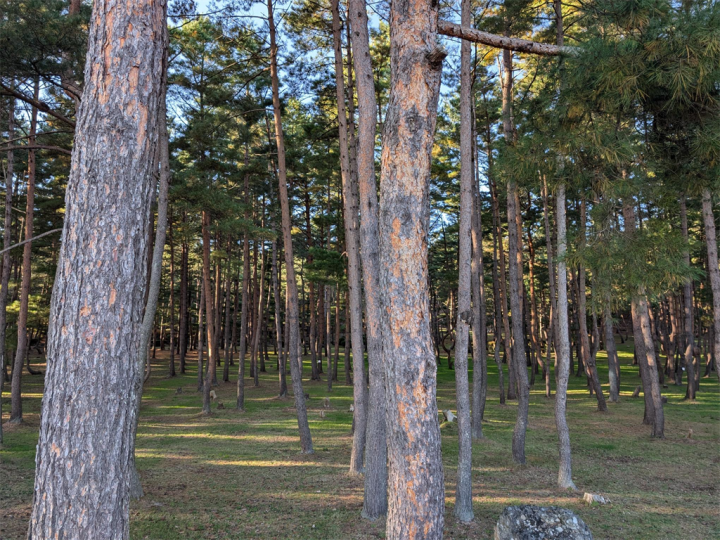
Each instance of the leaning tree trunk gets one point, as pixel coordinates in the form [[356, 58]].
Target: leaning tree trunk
[[416, 492], [375, 494], [15, 388], [352, 247], [7, 229], [83, 463], [293, 321], [711, 242], [463, 490]]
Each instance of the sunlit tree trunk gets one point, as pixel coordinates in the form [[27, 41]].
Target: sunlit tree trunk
[[352, 247], [89, 405], [293, 322], [463, 490], [416, 493]]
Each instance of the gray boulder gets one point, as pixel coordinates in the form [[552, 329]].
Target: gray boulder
[[540, 523]]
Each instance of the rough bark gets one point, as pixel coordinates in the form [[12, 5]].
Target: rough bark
[[15, 387], [713, 271], [552, 323], [293, 320], [352, 247], [83, 463], [209, 313], [463, 490], [416, 493], [240, 400]]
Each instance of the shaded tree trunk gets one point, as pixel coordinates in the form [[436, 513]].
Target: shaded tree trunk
[[240, 401], [278, 324], [713, 271], [15, 388], [691, 365]]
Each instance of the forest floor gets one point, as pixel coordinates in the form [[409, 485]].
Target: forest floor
[[241, 476]]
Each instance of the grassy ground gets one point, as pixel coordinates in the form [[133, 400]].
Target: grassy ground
[[240, 475]]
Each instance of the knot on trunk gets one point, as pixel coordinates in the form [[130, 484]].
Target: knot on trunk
[[435, 58]]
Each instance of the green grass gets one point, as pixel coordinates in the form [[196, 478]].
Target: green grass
[[240, 475]]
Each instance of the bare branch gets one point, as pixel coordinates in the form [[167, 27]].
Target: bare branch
[[44, 107], [447, 28]]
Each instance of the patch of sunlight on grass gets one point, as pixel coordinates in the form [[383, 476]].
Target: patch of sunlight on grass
[[273, 464]]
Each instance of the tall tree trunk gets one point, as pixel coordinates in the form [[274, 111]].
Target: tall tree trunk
[[563, 347], [479, 330], [227, 344], [15, 388], [240, 402], [291, 284], [7, 242], [257, 333], [184, 311], [352, 247], [588, 359], [713, 271], [200, 345], [497, 299], [518, 363], [83, 491], [209, 312], [691, 365], [172, 302], [278, 323], [613, 361], [552, 320], [416, 490], [463, 491]]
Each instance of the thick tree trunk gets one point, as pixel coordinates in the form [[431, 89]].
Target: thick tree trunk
[[563, 348], [7, 242], [416, 492], [293, 322], [89, 406], [463, 491], [640, 306], [713, 271], [15, 388], [352, 247]]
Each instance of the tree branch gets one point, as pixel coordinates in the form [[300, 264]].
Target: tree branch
[[39, 105], [36, 147], [30, 240], [447, 28]]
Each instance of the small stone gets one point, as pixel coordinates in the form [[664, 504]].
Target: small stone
[[449, 416], [535, 522], [595, 498]]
